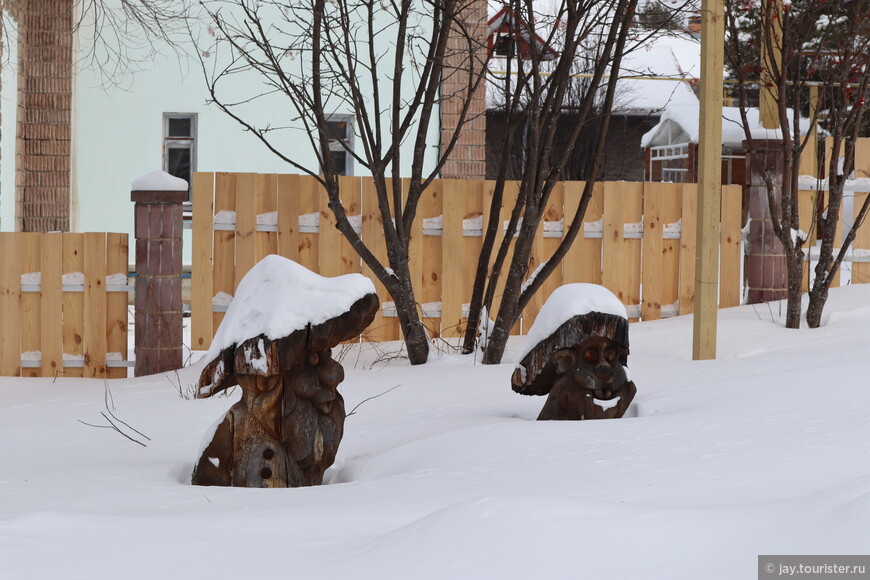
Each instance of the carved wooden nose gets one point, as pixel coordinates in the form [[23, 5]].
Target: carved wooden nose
[[604, 372]]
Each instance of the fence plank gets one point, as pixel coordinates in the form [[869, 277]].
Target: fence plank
[[730, 254], [670, 209], [117, 259], [73, 302], [224, 243], [554, 214], [246, 225], [807, 203], [95, 305], [381, 328], [688, 239], [452, 253], [861, 270], [267, 205], [335, 254], [202, 264], [862, 157], [511, 194], [583, 261], [288, 216], [651, 261], [51, 320], [31, 338], [415, 250], [10, 304], [431, 252], [616, 253]]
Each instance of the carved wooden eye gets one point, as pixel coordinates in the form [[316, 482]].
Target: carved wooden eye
[[591, 355], [609, 354]]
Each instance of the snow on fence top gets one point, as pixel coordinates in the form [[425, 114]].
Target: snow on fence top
[[159, 181], [278, 296], [567, 302]]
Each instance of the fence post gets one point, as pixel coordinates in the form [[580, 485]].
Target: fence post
[[158, 214], [767, 275]]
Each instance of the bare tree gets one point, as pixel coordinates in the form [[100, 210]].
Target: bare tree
[[379, 61], [119, 38], [809, 43], [592, 36]]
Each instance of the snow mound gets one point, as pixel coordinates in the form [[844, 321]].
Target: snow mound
[[278, 296], [159, 181], [567, 302]]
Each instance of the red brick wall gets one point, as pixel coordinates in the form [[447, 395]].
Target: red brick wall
[[44, 115], [468, 158]]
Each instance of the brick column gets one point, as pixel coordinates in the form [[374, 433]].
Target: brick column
[[767, 275], [44, 115], [158, 280], [467, 160]]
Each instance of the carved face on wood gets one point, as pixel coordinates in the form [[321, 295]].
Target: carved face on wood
[[595, 366], [591, 382]]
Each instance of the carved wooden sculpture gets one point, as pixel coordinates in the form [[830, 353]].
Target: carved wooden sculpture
[[285, 430], [582, 367]]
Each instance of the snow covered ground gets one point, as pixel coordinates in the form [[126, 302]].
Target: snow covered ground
[[763, 451]]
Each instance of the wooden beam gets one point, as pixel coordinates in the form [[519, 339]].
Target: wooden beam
[[709, 180]]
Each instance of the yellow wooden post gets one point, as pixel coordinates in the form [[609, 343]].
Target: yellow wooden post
[[267, 203], [709, 180]]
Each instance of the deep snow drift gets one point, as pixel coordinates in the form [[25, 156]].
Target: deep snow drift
[[763, 451]]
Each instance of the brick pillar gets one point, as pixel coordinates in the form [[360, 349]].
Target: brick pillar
[[468, 158], [44, 115], [158, 280], [766, 272]]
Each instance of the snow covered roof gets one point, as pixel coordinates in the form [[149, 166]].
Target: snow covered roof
[[679, 124], [671, 57]]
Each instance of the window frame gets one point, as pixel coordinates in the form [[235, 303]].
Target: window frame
[[181, 142], [348, 140]]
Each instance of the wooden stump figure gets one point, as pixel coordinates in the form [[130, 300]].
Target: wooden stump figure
[[285, 430], [582, 367]]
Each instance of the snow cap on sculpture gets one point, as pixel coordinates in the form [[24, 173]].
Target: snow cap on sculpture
[[276, 298]]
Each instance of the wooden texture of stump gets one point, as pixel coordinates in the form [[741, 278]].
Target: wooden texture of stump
[[582, 368], [286, 429]]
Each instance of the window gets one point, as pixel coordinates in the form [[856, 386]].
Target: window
[[339, 134], [179, 145]]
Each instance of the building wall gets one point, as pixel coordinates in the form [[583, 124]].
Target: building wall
[[42, 188], [468, 158], [103, 135]]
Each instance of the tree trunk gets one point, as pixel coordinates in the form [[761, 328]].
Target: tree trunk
[[794, 262]]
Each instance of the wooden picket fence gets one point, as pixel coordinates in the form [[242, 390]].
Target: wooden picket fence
[[63, 305], [638, 241]]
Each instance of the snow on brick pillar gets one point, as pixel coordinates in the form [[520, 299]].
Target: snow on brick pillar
[[42, 191], [767, 275], [467, 160], [158, 227]]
